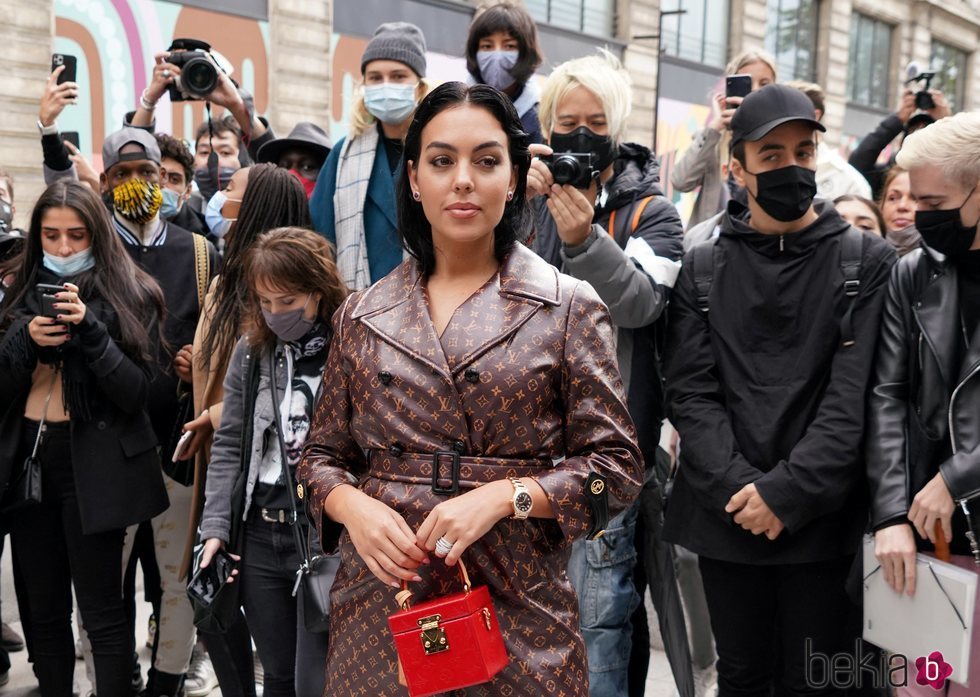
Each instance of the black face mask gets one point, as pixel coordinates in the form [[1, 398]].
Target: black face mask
[[209, 179], [944, 230], [583, 139], [787, 193]]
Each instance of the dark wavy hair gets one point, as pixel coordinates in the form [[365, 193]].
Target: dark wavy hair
[[514, 20], [514, 226], [133, 294], [294, 260], [273, 198]]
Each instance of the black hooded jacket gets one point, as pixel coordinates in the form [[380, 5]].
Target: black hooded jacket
[[761, 390]]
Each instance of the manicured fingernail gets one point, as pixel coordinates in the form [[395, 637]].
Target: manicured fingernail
[[416, 578], [66, 285], [395, 584], [426, 561], [59, 317]]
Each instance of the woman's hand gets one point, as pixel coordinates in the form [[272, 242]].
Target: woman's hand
[[182, 363], [464, 519], [47, 332], [539, 178], [933, 503], [56, 97], [380, 535], [895, 551], [203, 430], [211, 547], [726, 110], [70, 307]]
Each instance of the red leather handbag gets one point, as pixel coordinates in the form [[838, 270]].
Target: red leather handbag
[[447, 643]]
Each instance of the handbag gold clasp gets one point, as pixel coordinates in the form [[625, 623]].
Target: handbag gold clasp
[[486, 618], [432, 635]]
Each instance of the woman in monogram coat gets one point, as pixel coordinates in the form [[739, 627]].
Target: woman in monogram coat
[[480, 360]]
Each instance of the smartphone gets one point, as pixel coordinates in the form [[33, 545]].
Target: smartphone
[[71, 137], [738, 85], [48, 299], [207, 581], [181, 446], [70, 63]]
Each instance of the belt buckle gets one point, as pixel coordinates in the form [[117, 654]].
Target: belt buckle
[[454, 458], [279, 518]]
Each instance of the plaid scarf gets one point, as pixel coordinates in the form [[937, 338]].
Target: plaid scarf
[[353, 176]]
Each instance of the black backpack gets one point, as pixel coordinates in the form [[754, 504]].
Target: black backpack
[[850, 266]]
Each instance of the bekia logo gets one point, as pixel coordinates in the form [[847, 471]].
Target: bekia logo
[[865, 667], [933, 670]]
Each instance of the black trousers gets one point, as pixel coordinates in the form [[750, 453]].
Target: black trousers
[[767, 619], [54, 555], [294, 660]]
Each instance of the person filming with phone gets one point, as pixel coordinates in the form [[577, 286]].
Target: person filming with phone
[[79, 330]]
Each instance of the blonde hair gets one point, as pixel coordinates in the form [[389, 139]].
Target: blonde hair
[[951, 144], [601, 74], [745, 58], [361, 119]]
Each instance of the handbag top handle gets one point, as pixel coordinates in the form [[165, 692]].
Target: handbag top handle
[[404, 596]]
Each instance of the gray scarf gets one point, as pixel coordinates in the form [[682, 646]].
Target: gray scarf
[[353, 176]]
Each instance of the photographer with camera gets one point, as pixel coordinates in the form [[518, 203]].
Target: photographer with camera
[[79, 333], [600, 216], [916, 109]]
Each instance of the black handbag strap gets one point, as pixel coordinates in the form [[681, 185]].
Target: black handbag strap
[[302, 549], [44, 415]]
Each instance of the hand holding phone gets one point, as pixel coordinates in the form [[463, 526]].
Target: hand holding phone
[[48, 293], [181, 447], [209, 580], [71, 66], [738, 86]]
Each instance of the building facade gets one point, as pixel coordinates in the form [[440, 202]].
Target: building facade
[[300, 58]]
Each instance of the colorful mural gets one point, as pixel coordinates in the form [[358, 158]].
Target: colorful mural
[[115, 41], [676, 126]]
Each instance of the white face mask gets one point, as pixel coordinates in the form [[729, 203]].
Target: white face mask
[[71, 265], [389, 102]]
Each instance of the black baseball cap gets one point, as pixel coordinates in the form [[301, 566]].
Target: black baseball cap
[[772, 106]]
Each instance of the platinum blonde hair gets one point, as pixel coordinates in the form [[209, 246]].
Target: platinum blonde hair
[[953, 144], [604, 76]]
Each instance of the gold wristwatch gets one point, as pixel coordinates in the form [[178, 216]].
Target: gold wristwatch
[[521, 501]]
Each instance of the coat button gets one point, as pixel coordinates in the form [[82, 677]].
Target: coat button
[[459, 446], [472, 375], [385, 377], [395, 450], [100, 425]]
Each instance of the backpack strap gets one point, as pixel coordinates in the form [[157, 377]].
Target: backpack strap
[[202, 268], [704, 272], [850, 266], [636, 217]]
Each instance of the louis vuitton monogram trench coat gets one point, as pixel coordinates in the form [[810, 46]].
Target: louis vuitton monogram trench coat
[[523, 382]]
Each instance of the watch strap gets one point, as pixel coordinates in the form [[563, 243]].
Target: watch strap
[[519, 488]]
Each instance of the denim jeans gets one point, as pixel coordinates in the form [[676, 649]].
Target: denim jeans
[[294, 660], [602, 572]]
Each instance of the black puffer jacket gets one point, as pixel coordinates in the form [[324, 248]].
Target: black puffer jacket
[[632, 267], [924, 411]]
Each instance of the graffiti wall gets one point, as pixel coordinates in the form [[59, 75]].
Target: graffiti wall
[[676, 125], [115, 41]]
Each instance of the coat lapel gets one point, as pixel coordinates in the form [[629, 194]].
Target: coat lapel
[[938, 315], [381, 188]]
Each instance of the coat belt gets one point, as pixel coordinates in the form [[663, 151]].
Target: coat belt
[[447, 471]]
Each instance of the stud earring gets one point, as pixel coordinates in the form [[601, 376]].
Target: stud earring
[[510, 195], [416, 195]]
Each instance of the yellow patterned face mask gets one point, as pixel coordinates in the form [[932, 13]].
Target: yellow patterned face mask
[[137, 200]]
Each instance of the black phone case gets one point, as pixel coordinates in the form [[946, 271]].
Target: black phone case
[[736, 86], [47, 292], [206, 583], [70, 63], [71, 137]]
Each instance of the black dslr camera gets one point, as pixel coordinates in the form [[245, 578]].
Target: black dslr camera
[[914, 73], [573, 168], [198, 74]]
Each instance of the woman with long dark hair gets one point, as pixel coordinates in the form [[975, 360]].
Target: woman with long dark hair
[[293, 290], [83, 375], [471, 402], [258, 199]]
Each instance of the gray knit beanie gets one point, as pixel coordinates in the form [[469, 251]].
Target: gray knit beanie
[[397, 41]]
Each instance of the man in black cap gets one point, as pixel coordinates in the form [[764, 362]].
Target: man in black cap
[[772, 330]]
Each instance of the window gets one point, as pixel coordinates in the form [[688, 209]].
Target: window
[[791, 36], [596, 17], [868, 68], [949, 65], [700, 34]]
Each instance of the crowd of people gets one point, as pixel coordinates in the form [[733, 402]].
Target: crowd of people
[[474, 333]]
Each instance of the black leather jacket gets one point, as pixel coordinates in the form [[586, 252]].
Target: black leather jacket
[[925, 400]]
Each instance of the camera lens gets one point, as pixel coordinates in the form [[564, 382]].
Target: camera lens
[[199, 77], [566, 169]]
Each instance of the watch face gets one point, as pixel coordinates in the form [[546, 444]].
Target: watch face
[[523, 502]]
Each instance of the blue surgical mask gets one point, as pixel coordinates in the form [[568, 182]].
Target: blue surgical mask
[[218, 224], [390, 103], [171, 204], [69, 266], [495, 67]]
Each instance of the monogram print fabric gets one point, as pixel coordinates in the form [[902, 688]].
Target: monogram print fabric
[[523, 381]]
